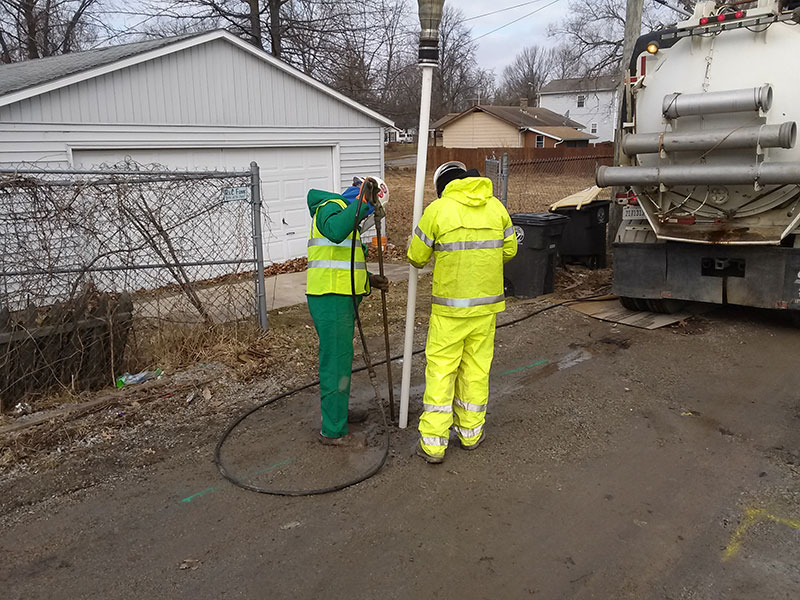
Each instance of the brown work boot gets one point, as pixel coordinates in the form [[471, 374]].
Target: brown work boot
[[433, 460], [357, 415], [476, 444], [346, 441]]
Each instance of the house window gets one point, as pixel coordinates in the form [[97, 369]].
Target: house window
[[594, 127], [581, 101], [540, 141]]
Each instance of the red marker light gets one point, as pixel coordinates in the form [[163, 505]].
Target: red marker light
[[704, 21], [739, 14], [721, 18]]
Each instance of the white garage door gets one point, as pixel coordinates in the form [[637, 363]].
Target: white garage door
[[286, 176]]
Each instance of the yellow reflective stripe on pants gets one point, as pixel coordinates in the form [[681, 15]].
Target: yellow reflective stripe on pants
[[467, 302], [459, 352], [436, 408], [469, 406], [475, 432]]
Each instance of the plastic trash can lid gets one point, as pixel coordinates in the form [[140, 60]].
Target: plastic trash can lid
[[578, 199], [538, 219]]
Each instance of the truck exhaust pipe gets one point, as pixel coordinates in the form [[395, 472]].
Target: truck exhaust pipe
[[774, 173], [682, 105], [766, 136]]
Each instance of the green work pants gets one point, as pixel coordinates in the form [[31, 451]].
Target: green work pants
[[334, 319]]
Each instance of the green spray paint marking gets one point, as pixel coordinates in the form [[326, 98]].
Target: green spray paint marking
[[264, 470], [198, 494], [518, 369]]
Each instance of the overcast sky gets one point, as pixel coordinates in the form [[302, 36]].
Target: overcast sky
[[497, 49]]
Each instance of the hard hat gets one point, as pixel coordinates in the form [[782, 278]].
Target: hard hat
[[446, 173]]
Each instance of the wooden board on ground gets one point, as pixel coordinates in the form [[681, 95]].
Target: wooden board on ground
[[612, 310]]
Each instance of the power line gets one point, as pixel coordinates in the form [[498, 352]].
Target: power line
[[533, 12], [494, 12]]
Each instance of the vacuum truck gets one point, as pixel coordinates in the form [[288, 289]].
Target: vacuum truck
[[709, 175]]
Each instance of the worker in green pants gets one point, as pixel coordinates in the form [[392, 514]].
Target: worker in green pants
[[329, 293]]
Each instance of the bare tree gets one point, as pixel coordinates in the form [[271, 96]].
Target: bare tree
[[526, 75], [595, 29], [459, 80], [41, 28], [565, 62]]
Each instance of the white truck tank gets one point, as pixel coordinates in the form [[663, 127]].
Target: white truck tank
[[714, 173]]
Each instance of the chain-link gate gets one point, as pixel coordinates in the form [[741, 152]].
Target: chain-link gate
[[89, 256], [496, 169]]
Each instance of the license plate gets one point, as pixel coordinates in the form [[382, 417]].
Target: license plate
[[632, 213]]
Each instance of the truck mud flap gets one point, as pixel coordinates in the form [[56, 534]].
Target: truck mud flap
[[761, 276]]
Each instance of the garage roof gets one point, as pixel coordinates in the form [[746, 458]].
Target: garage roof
[[33, 77], [23, 75]]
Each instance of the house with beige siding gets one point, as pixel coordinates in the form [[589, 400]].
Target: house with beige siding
[[489, 126]]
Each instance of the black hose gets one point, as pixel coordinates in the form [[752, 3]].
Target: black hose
[[372, 470]]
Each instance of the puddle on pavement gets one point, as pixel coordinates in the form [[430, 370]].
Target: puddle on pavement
[[573, 358]]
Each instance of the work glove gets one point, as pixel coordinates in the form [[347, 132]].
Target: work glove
[[379, 282], [369, 194]]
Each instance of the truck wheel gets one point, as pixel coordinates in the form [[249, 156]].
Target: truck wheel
[[630, 303], [794, 316], [665, 306]]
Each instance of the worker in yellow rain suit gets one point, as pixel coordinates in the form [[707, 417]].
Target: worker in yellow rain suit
[[471, 236]]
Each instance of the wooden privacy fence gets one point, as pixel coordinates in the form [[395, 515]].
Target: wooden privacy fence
[[475, 157], [77, 344]]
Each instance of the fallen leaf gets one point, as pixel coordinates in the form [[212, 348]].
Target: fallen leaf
[[206, 393], [189, 563]]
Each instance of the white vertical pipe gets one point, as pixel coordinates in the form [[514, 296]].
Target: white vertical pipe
[[413, 273]]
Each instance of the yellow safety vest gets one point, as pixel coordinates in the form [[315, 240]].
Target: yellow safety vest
[[329, 263]]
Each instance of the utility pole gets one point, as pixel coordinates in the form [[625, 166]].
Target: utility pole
[[633, 30]]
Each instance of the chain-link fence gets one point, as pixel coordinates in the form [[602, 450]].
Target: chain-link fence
[[534, 184], [94, 262]]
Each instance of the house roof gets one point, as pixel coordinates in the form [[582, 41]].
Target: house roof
[[563, 133], [34, 77], [580, 84], [514, 115], [439, 122]]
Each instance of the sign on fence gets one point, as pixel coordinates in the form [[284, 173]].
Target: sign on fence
[[236, 194]]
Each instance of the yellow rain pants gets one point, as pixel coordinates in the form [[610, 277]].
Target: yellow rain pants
[[459, 353]]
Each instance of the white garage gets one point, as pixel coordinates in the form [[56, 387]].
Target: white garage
[[206, 101]]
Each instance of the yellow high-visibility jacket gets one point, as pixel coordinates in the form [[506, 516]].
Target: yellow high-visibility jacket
[[470, 233]]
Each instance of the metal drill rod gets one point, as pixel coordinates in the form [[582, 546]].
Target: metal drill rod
[[385, 313]]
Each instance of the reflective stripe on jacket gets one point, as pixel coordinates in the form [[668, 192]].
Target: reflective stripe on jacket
[[470, 233], [329, 262]]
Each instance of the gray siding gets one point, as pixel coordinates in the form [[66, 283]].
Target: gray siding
[[360, 148], [211, 84]]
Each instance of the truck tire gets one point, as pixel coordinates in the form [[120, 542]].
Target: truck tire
[[631, 303], [657, 305], [665, 306]]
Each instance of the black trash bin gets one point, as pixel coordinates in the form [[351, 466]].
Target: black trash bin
[[584, 238], [531, 272]]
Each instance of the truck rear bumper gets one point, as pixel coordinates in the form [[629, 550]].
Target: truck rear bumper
[[762, 276]]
